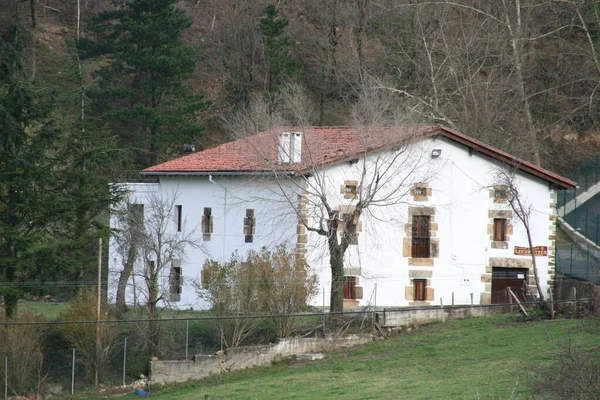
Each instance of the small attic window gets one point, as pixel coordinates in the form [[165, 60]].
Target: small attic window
[[500, 194], [421, 192], [349, 189]]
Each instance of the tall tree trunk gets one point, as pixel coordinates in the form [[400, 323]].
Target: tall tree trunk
[[336, 262], [123, 279]]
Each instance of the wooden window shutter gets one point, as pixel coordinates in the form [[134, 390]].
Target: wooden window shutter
[[207, 223], [420, 236], [249, 226], [500, 229], [420, 286]]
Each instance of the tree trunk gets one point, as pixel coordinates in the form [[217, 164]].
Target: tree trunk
[[336, 261], [153, 324], [123, 279]]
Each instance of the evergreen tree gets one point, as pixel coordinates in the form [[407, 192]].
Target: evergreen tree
[[53, 184], [280, 63], [139, 89], [26, 171]]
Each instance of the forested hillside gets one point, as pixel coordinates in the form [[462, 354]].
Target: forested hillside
[[92, 88]]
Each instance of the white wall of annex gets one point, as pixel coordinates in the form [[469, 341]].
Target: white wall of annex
[[228, 197]]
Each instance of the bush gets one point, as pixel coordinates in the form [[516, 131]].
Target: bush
[[82, 336], [277, 283], [22, 344]]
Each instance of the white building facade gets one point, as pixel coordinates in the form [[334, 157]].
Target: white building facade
[[439, 230]]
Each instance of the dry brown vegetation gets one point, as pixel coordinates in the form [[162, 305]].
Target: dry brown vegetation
[[520, 75]]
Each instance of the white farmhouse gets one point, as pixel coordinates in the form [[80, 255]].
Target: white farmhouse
[[422, 216]]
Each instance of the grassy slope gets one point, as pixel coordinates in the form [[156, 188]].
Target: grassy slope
[[485, 357]]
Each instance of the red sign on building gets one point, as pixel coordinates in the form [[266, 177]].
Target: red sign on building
[[537, 250]]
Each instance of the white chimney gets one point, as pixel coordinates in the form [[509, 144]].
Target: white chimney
[[283, 154], [296, 147], [290, 147]]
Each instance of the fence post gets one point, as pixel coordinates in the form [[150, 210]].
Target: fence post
[[574, 225], [187, 336], [571, 261], [471, 298], [124, 360], [597, 224], [73, 374], [5, 377], [587, 268], [323, 322], [452, 298]]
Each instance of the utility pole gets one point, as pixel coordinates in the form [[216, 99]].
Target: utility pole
[[98, 309]]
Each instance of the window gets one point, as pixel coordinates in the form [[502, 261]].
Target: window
[[420, 286], [420, 236], [500, 193], [175, 280], [249, 224], [500, 229], [349, 189], [350, 287], [421, 192], [349, 224], [207, 223], [178, 210]]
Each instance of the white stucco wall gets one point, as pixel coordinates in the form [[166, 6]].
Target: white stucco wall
[[460, 184], [228, 197]]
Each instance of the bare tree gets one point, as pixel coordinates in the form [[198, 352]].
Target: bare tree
[[151, 246], [522, 209], [389, 163]]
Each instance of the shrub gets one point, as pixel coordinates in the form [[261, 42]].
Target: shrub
[[277, 283], [82, 336], [22, 344]]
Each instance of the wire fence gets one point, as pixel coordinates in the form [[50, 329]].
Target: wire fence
[[575, 262], [59, 357]]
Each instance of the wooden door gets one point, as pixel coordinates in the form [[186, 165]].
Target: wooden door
[[503, 278]]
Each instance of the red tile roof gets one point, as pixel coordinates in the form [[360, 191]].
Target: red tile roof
[[322, 146]]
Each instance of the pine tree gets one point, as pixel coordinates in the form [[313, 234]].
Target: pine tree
[[26, 172], [280, 63], [139, 89]]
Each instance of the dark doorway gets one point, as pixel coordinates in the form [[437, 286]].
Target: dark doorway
[[503, 278]]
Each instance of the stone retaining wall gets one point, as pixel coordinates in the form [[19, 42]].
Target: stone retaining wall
[[239, 358], [407, 317]]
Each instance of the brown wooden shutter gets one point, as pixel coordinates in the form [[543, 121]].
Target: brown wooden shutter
[[420, 236]]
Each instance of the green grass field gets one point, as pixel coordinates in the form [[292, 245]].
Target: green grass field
[[476, 358], [46, 310]]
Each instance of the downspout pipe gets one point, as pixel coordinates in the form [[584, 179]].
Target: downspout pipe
[[211, 180]]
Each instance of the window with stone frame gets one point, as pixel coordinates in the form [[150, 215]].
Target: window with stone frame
[[349, 225], [500, 194], [350, 287], [249, 226], [178, 217], [349, 189], [420, 289], [207, 224], [420, 236], [500, 227], [421, 192], [175, 281]]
